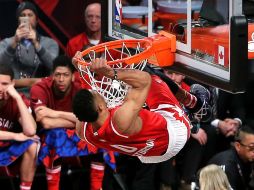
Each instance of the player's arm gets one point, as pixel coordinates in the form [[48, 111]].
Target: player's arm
[[50, 118], [78, 129], [26, 82], [43, 111], [7, 135], [26, 119], [126, 117], [51, 123]]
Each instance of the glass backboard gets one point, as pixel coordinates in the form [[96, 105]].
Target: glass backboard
[[213, 41]]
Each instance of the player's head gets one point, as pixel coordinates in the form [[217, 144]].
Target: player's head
[[93, 17], [176, 77], [27, 9], [87, 105], [6, 78], [62, 74], [244, 143]]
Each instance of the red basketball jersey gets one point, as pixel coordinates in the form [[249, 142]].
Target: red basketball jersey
[[41, 94], [9, 113], [152, 140]]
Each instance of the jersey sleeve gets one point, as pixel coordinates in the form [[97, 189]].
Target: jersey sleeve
[[27, 102], [25, 99], [38, 96]]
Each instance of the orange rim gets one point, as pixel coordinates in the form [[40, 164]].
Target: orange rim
[[162, 45], [129, 43]]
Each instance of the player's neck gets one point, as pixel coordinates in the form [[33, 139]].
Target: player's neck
[[100, 121], [59, 95]]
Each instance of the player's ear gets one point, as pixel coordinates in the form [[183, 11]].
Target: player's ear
[[13, 82], [237, 145], [73, 77], [101, 107]]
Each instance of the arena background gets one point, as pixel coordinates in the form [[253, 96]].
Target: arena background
[[59, 19]]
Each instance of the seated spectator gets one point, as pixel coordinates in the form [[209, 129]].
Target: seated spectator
[[29, 53], [52, 103], [16, 140], [212, 177], [237, 161], [92, 34], [229, 113]]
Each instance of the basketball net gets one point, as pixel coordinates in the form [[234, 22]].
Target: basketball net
[[113, 91], [125, 54]]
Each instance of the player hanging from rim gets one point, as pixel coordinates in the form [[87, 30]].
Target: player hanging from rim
[[153, 135]]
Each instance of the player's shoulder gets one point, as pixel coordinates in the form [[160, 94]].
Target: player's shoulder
[[23, 96], [25, 99], [45, 83]]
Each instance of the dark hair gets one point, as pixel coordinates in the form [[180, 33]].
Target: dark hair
[[243, 129], [91, 53], [83, 106], [63, 61], [26, 5], [6, 70]]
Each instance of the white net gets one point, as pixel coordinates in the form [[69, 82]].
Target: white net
[[113, 91]]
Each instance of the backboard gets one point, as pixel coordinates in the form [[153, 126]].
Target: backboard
[[212, 35]]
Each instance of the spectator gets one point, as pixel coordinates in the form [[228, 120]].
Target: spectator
[[237, 161], [29, 53], [51, 102], [92, 34], [229, 113], [212, 177], [14, 108], [178, 79]]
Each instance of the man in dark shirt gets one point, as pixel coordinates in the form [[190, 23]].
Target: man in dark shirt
[[237, 161]]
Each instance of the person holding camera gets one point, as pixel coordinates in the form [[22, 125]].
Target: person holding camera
[[29, 53], [237, 162]]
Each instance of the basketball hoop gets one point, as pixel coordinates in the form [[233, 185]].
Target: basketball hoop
[[125, 54]]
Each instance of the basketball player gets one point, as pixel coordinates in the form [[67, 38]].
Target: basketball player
[[14, 108], [154, 135]]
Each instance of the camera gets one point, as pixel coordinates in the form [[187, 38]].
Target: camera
[[25, 21]]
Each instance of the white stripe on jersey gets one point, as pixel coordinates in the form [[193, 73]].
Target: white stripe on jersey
[[115, 131]]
